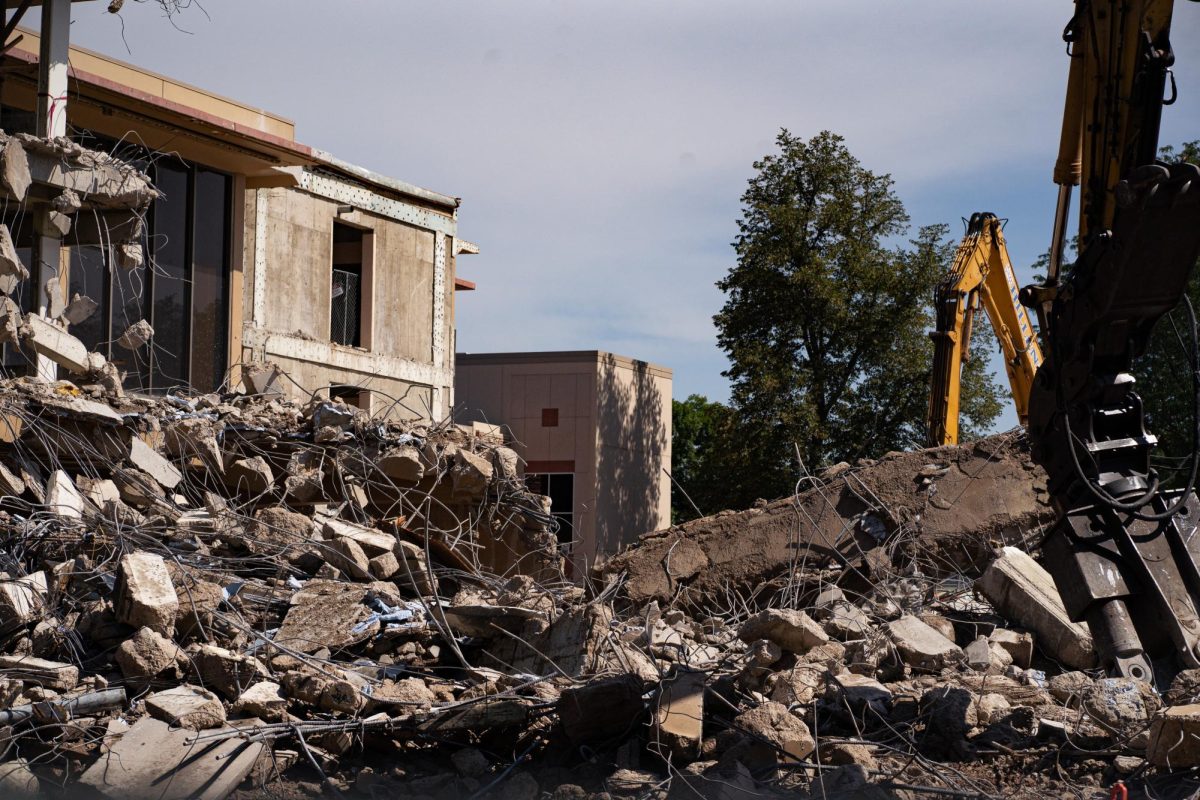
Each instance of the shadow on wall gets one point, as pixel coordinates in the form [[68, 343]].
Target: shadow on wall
[[631, 453]]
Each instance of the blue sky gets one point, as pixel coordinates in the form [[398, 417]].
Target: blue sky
[[600, 148]]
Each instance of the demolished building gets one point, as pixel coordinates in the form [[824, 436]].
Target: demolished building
[[369, 262]]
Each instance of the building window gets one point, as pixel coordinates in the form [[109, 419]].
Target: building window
[[181, 289], [346, 317], [549, 417], [560, 488], [350, 395]]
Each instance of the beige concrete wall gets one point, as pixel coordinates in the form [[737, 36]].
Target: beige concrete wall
[[614, 423], [633, 402], [291, 323]]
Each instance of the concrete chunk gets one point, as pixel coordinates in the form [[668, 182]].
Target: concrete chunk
[[136, 335], [348, 556], [470, 475], [1175, 738], [1024, 593], [922, 647], [62, 497], [225, 671], [10, 262], [22, 600], [252, 475], [403, 464], [602, 709], [1018, 644], [142, 456], [187, 706], [14, 169], [678, 728], [51, 341], [263, 700], [373, 542], [144, 655], [80, 309], [145, 595], [772, 722], [792, 630]]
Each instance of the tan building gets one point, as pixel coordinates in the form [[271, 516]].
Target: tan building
[[261, 247], [595, 432]]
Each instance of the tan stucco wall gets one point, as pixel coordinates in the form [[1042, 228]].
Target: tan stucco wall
[[614, 422]]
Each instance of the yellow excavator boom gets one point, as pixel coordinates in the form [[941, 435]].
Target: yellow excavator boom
[[982, 275]]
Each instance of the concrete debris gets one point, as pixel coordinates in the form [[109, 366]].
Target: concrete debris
[[187, 707], [792, 630], [922, 647], [136, 335], [14, 170], [280, 584], [145, 595], [1023, 591], [80, 309]]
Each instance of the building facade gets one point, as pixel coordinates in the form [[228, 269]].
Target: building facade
[[594, 430], [259, 248]]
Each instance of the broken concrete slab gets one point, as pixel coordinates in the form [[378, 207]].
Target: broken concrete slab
[[80, 309], [145, 595], [51, 341], [145, 458], [152, 761], [50, 674], [1024, 592], [62, 497], [677, 730], [14, 170], [187, 706], [998, 495], [922, 647], [326, 614]]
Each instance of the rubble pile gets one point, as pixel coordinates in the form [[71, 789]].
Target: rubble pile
[[240, 594]]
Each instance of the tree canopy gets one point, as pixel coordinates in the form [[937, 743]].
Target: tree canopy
[[826, 319]]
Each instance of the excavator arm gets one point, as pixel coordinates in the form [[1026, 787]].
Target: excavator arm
[[981, 275], [1125, 553]]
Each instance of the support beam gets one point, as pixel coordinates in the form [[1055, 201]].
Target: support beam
[[51, 123]]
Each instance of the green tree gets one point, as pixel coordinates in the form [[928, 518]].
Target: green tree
[[826, 318], [702, 456], [1164, 378]]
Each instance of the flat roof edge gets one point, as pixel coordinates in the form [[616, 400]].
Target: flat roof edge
[[396, 185], [557, 357]]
